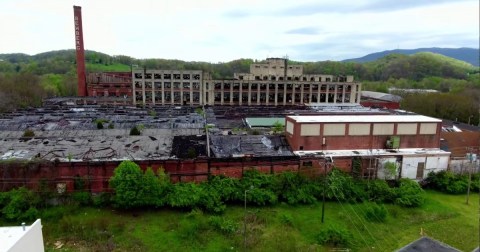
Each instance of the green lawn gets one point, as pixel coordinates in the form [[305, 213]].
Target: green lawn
[[281, 228]]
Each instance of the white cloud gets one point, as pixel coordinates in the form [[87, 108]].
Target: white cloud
[[217, 30]]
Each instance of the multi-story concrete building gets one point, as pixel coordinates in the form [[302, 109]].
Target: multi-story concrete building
[[274, 83]]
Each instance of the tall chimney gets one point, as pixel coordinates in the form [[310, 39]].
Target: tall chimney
[[82, 86]]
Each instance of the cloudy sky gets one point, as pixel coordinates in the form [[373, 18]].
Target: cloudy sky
[[224, 30]]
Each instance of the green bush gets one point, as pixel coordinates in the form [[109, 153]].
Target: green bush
[[99, 125], [409, 194], [185, 195], [20, 204], [448, 182], [28, 133], [286, 219], [102, 199], [135, 131], [343, 187], [294, 188], [379, 191], [223, 225], [82, 198], [260, 187], [228, 188], [335, 236], [376, 213]]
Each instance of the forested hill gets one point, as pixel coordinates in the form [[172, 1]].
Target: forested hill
[[469, 55], [415, 67]]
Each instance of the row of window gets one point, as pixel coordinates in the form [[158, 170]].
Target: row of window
[[159, 76], [364, 129]]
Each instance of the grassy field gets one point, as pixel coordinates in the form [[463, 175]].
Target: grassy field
[[281, 228]]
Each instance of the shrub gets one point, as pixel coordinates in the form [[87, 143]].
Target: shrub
[[111, 126], [135, 131], [260, 187], [446, 181], [20, 204], [99, 125], [28, 133], [102, 199], [286, 219], [343, 187], [379, 191], [185, 195], [409, 194], [228, 188], [82, 198], [335, 236], [133, 188], [294, 188], [223, 225], [376, 213]]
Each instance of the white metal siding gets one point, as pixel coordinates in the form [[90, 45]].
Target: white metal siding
[[359, 129], [383, 129], [310, 130], [409, 167], [428, 128], [336, 129], [290, 127], [406, 129]]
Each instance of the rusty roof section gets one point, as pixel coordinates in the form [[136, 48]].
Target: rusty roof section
[[458, 143]]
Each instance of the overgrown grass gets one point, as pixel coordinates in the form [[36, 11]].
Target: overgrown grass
[[276, 228]]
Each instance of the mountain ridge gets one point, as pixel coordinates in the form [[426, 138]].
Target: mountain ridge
[[467, 54]]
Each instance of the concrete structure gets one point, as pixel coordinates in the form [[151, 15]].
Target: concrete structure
[[274, 83], [411, 142], [22, 238], [168, 87]]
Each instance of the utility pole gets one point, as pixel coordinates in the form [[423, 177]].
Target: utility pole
[[324, 189], [470, 153]]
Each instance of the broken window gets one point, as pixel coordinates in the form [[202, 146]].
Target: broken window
[[328, 79], [186, 76], [273, 78], [196, 76], [254, 97], [218, 85], [138, 84], [226, 85], [168, 97], [314, 86], [148, 76], [176, 85], [257, 77], [196, 85], [148, 84], [186, 85], [281, 86], [236, 97], [226, 97], [138, 75], [240, 77], [176, 96], [263, 97], [312, 78], [236, 86], [271, 86], [265, 77], [297, 78], [158, 85], [244, 97], [167, 85], [167, 76], [157, 76], [158, 96], [289, 86], [304, 78], [176, 76], [218, 96], [280, 78], [306, 86], [263, 86], [280, 97], [254, 86], [271, 98], [244, 86], [196, 97], [289, 78]]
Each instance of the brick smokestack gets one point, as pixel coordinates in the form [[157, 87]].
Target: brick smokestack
[[82, 86]]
